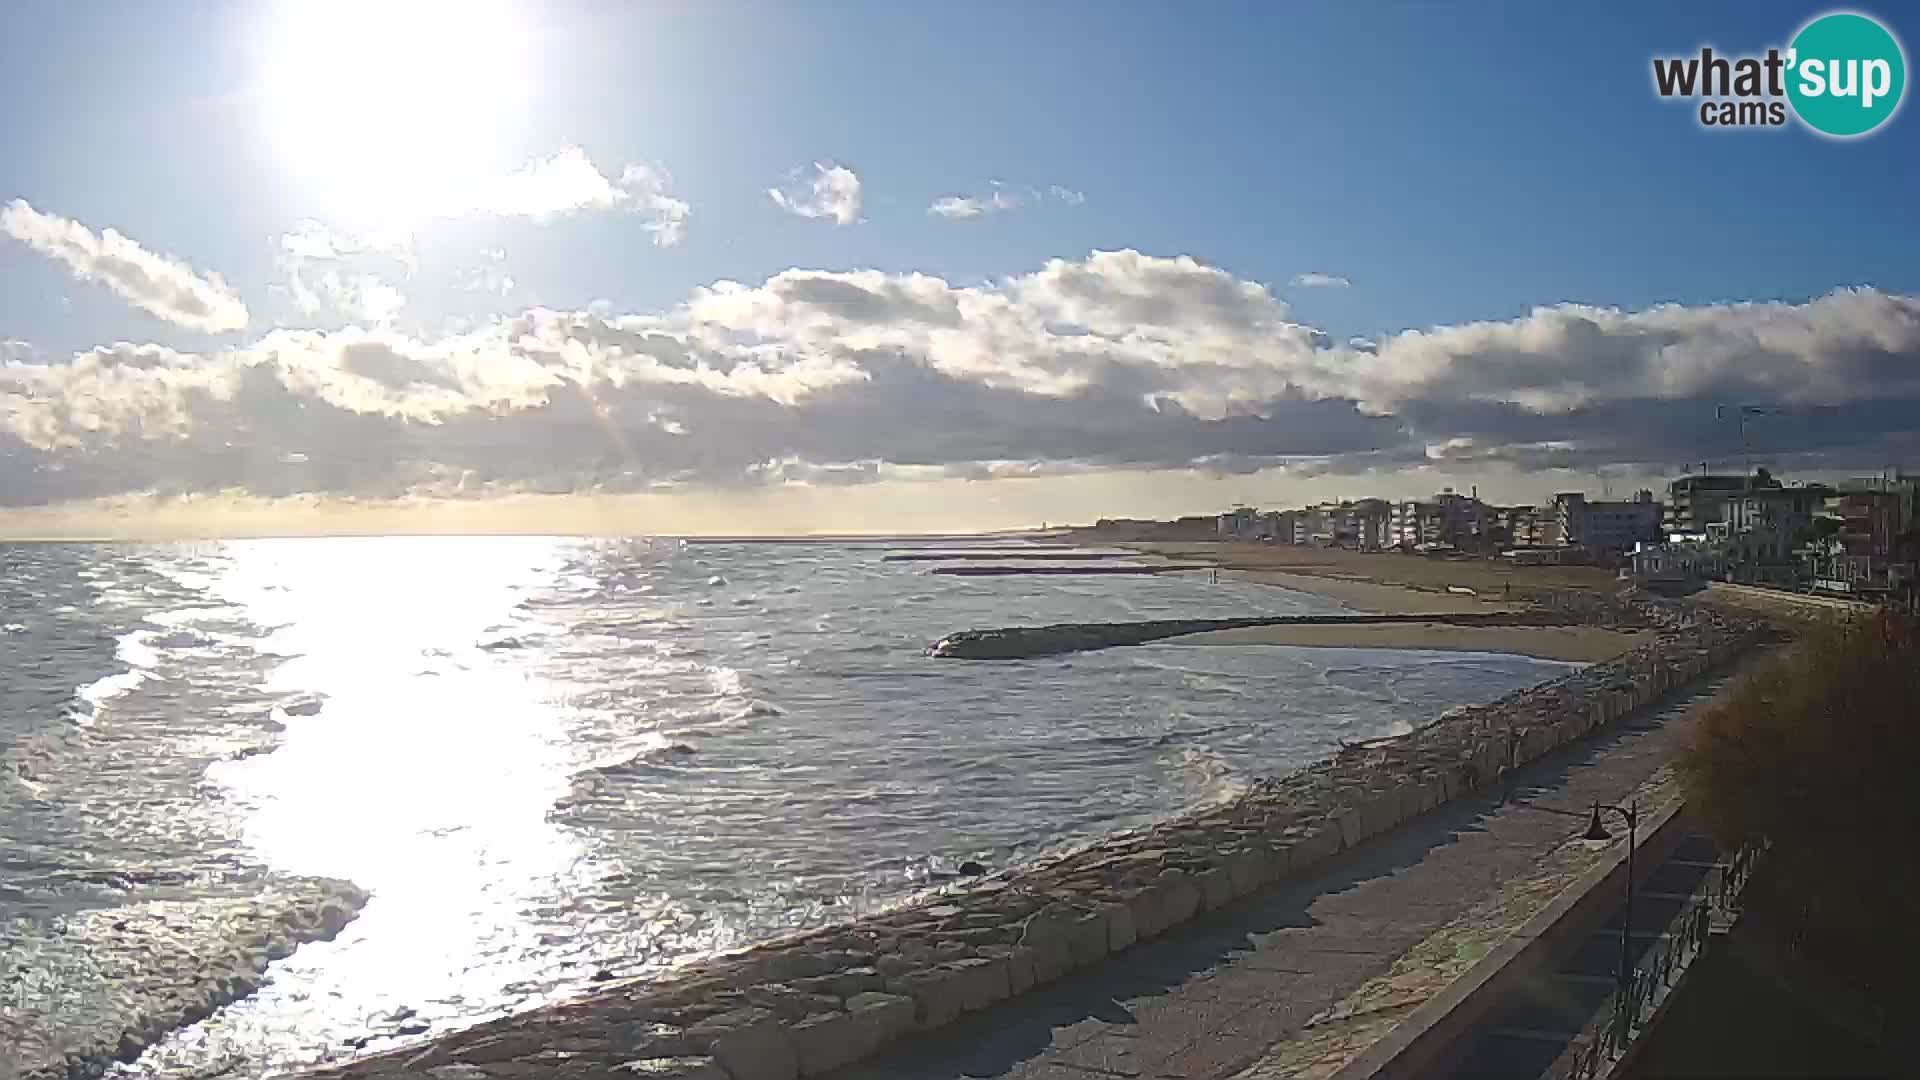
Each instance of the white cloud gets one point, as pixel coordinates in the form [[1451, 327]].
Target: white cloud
[[998, 200], [1315, 280], [316, 241], [826, 190], [332, 273], [365, 298], [961, 207], [493, 277], [1118, 360], [666, 216], [159, 285], [568, 182], [541, 190]]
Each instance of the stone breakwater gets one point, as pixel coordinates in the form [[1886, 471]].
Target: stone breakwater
[[1021, 642], [814, 1003], [1077, 570]]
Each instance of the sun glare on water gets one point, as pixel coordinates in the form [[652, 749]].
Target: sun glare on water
[[384, 111]]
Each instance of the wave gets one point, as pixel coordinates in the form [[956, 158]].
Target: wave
[[136, 649], [303, 705], [99, 693], [652, 736], [1168, 738], [117, 979], [139, 656], [1218, 781], [661, 758]]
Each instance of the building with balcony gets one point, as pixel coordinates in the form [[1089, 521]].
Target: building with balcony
[[1605, 525], [1448, 518], [1524, 526], [1875, 517], [1694, 502], [1767, 524]]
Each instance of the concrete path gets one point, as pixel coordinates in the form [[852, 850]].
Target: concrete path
[[1527, 1030], [1295, 980]]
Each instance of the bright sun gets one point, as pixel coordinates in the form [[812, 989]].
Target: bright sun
[[386, 111]]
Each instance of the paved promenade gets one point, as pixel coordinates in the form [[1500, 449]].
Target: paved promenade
[[1297, 979]]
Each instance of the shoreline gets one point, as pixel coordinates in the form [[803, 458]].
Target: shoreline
[[815, 1002]]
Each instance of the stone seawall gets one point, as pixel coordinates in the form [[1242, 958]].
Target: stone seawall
[[814, 1003], [1021, 642]]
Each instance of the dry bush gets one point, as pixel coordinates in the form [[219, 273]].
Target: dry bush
[[1819, 753]]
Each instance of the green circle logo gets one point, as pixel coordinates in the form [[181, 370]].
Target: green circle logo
[[1846, 74]]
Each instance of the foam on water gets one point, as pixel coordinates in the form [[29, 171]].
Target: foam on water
[[539, 760]]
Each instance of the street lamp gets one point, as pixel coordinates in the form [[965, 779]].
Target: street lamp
[[1597, 831]]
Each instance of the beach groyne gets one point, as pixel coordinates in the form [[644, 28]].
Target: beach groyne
[[1016, 555], [817, 1002], [1022, 642], [1046, 569]]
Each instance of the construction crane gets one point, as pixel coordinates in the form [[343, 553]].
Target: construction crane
[[1745, 413]]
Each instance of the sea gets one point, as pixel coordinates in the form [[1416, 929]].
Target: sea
[[499, 770]]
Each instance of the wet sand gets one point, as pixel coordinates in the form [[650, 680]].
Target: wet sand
[[1375, 598], [1582, 644], [1377, 581], [1394, 583]]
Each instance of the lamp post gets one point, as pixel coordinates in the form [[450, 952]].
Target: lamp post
[[1597, 831]]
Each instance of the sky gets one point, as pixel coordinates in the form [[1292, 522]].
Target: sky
[[736, 267]]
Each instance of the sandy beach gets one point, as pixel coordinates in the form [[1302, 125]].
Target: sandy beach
[[1373, 597], [1429, 578], [1395, 583]]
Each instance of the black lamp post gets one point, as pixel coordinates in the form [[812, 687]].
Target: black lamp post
[[1598, 831]]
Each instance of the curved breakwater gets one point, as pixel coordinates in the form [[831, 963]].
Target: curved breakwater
[[813, 1003], [1021, 642]]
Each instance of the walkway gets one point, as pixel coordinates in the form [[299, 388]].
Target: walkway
[[1528, 1030], [1293, 981]]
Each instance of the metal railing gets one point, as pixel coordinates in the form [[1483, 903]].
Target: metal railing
[[1612, 1029]]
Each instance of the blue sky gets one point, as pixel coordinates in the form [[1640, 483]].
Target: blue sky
[[1454, 163]]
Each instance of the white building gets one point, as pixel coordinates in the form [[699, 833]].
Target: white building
[[1241, 522]]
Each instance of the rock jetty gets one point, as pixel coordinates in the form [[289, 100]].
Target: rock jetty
[[1015, 555], [808, 1005], [1020, 642], [1077, 569]]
